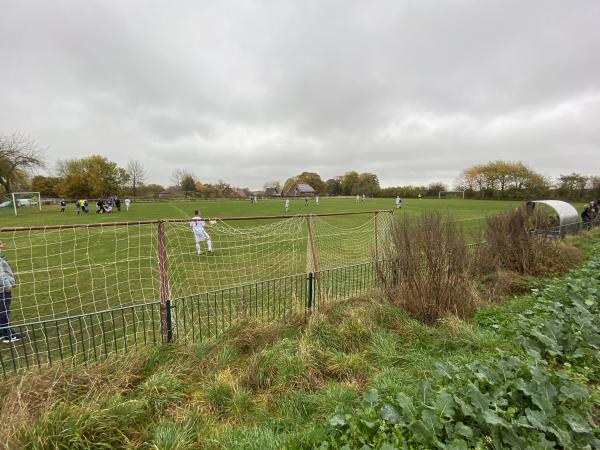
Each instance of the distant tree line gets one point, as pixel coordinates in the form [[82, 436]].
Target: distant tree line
[[97, 176]]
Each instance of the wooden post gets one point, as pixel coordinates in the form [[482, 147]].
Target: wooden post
[[375, 230], [315, 264], [165, 304]]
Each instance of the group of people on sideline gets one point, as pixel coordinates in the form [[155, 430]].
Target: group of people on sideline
[[102, 206], [589, 213]]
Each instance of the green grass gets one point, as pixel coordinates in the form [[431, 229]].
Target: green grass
[[461, 209], [73, 271], [261, 386]]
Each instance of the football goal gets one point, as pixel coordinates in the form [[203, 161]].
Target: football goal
[[85, 291], [30, 200]]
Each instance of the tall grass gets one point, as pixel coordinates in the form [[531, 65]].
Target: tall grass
[[429, 268], [519, 241]]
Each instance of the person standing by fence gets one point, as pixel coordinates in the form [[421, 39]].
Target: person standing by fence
[[586, 217], [7, 283]]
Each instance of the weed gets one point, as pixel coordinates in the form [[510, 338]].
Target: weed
[[428, 269]]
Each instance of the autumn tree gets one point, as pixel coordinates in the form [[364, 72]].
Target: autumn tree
[[367, 184], [501, 179], [93, 176], [572, 186], [350, 183], [333, 186], [312, 179], [46, 186], [288, 185], [18, 155]]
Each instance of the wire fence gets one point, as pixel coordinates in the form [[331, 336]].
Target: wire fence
[[90, 337]]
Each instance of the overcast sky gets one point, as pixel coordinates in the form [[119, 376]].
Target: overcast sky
[[251, 91]]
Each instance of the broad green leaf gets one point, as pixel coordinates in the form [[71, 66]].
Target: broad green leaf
[[389, 414], [445, 370], [478, 400], [430, 419], [386, 446], [463, 430], [577, 423], [444, 405], [405, 402], [424, 392], [536, 418], [421, 432], [492, 418], [457, 444], [337, 421], [574, 392], [371, 397]]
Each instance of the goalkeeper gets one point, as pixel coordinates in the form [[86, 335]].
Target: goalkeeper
[[200, 233]]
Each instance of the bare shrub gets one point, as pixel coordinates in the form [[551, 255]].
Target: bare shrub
[[499, 284], [520, 242], [427, 268]]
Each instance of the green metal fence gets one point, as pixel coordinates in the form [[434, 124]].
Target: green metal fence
[[88, 338]]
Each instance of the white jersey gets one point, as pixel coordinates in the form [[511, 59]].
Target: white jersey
[[198, 225], [127, 201]]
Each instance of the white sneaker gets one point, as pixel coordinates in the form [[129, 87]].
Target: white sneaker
[[14, 337], [200, 252]]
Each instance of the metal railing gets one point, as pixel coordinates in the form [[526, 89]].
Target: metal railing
[[88, 338]]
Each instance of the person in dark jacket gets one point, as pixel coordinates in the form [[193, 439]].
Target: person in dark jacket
[[7, 283], [586, 217]]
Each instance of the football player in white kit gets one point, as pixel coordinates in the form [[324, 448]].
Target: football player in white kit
[[200, 233]]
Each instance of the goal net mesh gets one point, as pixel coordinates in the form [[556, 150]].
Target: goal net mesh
[[79, 289]]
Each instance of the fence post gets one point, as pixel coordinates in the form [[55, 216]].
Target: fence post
[[310, 291], [165, 303], [314, 275], [375, 230]]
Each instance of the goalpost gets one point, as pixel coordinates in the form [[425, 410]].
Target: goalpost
[[86, 291], [26, 199]]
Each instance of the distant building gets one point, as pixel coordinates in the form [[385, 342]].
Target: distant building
[[302, 190], [272, 192]]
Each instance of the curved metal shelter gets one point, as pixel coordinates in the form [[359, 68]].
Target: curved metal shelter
[[567, 214]]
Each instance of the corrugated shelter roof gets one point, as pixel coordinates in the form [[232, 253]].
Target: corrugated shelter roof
[[305, 188], [567, 213]]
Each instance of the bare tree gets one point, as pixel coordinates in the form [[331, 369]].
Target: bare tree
[[137, 174], [272, 184], [18, 155], [180, 175]]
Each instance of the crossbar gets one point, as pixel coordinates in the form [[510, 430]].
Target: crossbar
[[154, 222]]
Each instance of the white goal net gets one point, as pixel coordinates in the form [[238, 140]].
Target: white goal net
[[87, 291]]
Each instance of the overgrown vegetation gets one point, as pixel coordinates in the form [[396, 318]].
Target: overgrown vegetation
[[524, 371], [511, 245], [543, 395], [429, 267]]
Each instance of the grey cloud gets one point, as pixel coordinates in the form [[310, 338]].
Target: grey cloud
[[413, 90]]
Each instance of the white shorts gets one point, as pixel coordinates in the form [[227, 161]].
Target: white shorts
[[201, 236]]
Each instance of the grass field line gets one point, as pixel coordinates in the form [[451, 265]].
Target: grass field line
[[177, 208]]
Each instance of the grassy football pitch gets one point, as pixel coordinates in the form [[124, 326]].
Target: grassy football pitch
[[460, 209], [76, 287], [74, 271]]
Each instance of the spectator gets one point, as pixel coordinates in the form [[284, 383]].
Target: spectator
[[7, 283]]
